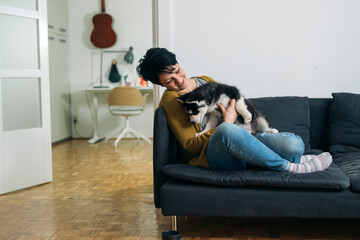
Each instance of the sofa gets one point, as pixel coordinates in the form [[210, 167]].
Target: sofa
[[324, 124]]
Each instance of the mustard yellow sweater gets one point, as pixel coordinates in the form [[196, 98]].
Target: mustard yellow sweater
[[193, 148]]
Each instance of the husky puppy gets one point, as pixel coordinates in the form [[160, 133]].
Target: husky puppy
[[201, 106]]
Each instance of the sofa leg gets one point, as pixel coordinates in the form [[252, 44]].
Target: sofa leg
[[174, 223]]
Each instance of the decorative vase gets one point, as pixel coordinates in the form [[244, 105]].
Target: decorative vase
[[114, 75]]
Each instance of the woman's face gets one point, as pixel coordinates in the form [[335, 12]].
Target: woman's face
[[176, 80]]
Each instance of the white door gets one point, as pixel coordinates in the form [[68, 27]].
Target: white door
[[59, 75], [25, 135], [59, 88]]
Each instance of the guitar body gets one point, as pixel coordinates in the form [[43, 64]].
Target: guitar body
[[103, 36]]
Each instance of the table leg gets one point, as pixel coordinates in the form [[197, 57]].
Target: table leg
[[95, 138]]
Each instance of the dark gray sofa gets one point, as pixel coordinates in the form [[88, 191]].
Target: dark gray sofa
[[324, 125]]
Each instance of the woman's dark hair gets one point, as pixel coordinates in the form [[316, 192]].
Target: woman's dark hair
[[154, 62]]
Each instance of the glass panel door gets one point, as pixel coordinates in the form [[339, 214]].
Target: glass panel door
[[21, 103], [19, 46], [25, 4], [25, 134]]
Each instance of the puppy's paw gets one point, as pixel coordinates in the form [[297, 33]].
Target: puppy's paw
[[272, 130], [198, 134], [248, 119]]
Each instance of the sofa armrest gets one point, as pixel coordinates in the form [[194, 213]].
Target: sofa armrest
[[164, 151]]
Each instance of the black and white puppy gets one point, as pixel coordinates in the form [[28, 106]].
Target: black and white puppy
[[201, 106]]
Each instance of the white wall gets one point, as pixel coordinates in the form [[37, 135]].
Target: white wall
[[133, 26], [268, 47]]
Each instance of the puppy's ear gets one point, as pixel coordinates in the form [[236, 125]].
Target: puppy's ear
[[180, 100]]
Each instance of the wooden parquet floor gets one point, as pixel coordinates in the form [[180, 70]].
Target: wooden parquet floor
[[99, 192]]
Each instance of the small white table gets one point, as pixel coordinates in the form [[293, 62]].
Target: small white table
[[93, 93]]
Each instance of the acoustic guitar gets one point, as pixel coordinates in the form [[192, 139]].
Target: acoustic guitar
[[102, 36]]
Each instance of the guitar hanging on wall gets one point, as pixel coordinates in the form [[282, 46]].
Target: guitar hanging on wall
[[102, 36]]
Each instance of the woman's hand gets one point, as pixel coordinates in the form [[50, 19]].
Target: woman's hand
[[229, 114]]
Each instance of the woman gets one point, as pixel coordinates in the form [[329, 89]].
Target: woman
[[229, 146]]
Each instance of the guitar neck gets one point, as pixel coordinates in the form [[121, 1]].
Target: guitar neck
[[102, 6]]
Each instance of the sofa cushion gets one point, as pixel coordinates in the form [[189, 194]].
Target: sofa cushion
[[331, 178], [287, 114], [345, 123], [349, 163], [319, 122]]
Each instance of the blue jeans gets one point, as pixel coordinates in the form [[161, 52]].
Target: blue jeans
[[231, 147]]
